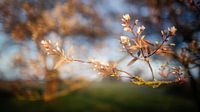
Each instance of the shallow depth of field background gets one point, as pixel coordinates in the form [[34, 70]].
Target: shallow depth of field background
[[91, 28]]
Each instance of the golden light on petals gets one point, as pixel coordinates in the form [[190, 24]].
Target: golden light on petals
[[136, 22], [126, 23], [125, 40], [127, 29], [140, 29], [126, 17], [172, 30]]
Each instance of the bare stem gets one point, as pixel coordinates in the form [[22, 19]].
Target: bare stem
[[132, 31], [80, 61], [151, 69], [125, 72]]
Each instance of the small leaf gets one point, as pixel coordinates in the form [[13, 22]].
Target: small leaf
[[132, 61], [149, 50], [138, 53]]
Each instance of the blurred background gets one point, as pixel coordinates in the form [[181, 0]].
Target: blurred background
[[91, 29]]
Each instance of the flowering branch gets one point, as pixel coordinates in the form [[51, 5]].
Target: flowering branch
[[137, 47]]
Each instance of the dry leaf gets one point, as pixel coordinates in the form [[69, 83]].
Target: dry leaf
[[132, 61]]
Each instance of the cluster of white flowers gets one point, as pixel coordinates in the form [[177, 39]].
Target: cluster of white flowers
[[125, 40], [172, 31], [126, 23], [103, 69], [140, 29], [52, 49]]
